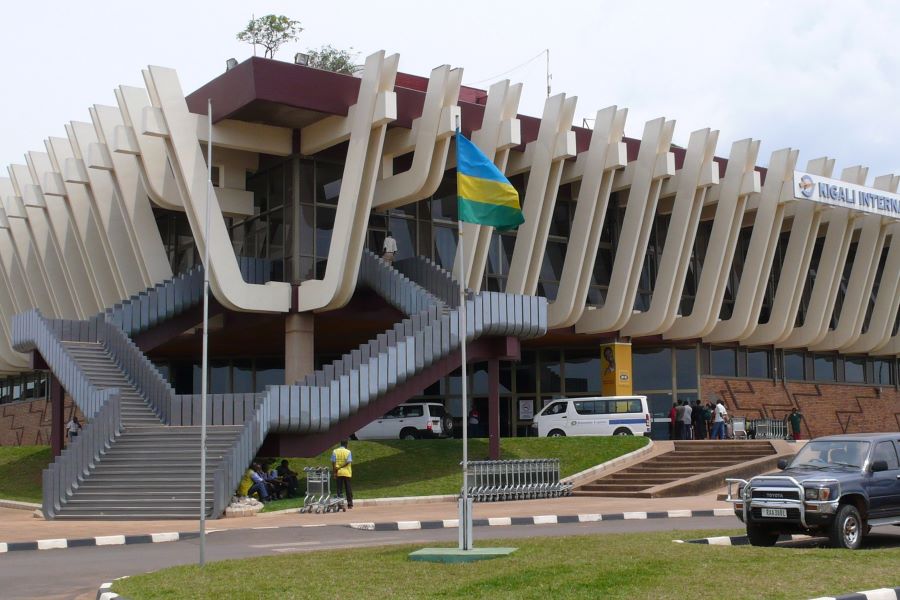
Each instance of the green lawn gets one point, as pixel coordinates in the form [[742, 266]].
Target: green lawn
[[624, 566], [20, 472], [427, 467], [381, 469]]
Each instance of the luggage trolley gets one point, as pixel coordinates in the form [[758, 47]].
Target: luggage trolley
[[318, 497]]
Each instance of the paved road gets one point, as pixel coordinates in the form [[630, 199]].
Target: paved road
[[75, 573]]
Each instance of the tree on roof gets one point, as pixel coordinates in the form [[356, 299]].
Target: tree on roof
[[271, 32], [333, 59]]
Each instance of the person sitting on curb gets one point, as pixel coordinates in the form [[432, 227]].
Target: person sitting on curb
[[259, 483], [289, 478]]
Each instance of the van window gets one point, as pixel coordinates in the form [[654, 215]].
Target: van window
[[556, 408], [586, 407], [394, 413], [413, 411], [632, 405], [437, 410]]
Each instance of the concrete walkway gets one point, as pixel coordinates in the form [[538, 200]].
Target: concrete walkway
[[21, 526]]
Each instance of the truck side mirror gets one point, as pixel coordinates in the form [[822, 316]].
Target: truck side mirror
[[782, 463], [879, 465]]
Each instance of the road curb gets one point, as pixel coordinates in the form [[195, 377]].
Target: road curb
[[104, 592], [18, 505], [879, 594], [738, 540], [100, 540], [541, 519]]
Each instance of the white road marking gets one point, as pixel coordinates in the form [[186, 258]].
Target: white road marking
[[494, 521], [164, 537], [48, 544], [286, 544], [544, 519]]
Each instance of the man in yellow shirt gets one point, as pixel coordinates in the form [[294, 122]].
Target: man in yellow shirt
[[342, 463]]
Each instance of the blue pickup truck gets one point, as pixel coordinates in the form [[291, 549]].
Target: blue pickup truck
[[837, 486]]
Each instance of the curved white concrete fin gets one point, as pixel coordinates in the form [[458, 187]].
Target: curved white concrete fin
[[190, 172]]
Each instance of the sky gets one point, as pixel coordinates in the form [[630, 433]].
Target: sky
[[820, 76]]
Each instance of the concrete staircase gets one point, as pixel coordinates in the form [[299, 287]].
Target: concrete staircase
[[103, 373], [150, 472], [683, 471]]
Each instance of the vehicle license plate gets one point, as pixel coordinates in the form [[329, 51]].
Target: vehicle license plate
[[780, 513]]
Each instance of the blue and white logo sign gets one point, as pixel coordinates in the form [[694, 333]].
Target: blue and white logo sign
[[846, 195], [807, 187]]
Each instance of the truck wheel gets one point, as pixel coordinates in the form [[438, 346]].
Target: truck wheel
[[847, 529], [409, 434], [759, 535], [557, 433], [622, 431]]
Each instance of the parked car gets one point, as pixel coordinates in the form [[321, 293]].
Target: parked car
[[838, 486], [409, 421], [610, 415]]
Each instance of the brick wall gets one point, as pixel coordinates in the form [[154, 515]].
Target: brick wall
[[28, 423], [827, 408]]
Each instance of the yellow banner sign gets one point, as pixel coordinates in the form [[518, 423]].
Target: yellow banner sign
[[615, 365]]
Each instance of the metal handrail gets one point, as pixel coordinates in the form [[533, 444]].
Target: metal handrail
[[62, 476]]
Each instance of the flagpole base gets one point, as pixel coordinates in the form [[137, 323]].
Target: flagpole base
[[455, 555]]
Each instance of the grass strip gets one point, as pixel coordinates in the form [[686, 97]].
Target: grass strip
[[387, 469], [20, 472], [626, 566]]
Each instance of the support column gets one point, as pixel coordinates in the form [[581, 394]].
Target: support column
[[57, 416], [494, 408], [299, 346]]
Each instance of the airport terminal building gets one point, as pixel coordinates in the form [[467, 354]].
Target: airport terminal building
[[763, 281]]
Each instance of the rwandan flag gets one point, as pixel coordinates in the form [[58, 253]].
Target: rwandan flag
[[484, 195]]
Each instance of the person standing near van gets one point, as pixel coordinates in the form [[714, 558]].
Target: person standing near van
[[686, 421], [698, 420], [720, 417], [679, 420], [342, 463], [673, 429]]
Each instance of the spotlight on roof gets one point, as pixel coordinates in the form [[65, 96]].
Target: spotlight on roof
[[230, 64], [301, 59]]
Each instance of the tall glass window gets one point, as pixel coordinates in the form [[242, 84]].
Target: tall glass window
[[854, 370], [652, 368], [686, 367], [723, 361], [583, 372], [793, 366], [824, 367], [759, 364]]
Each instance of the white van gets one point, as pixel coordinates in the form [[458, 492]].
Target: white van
[[610, 415]]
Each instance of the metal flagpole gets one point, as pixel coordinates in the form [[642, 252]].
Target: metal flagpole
[[465, 513], [205, 361], [465, 527]]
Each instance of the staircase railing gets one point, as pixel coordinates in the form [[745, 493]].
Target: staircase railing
[[145, 377], [175, 296], [230, 470], [31, 331], [432, 277], [398, 289], [62, 476]]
